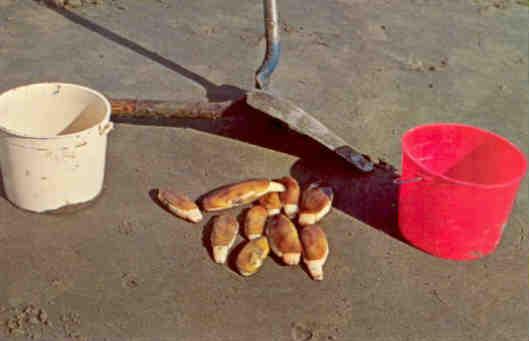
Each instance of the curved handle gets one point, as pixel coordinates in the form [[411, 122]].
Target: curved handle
[[105, 129], [273, 48]]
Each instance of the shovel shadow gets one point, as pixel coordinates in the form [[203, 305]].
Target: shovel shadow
[[371, 198], [214, 92]]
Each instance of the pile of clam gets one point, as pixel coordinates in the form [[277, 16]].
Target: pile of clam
[[268, 225]]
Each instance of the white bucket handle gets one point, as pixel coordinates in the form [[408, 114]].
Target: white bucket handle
[[105, 129]]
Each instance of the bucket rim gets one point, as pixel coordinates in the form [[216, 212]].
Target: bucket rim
[[106, 118], [460, 182]]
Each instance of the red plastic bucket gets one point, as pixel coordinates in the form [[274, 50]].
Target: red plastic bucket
[[457, 189]]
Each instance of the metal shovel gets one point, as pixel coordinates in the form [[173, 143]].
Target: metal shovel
[[282, 109]]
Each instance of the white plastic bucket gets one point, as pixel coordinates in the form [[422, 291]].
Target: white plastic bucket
[[53, 139]]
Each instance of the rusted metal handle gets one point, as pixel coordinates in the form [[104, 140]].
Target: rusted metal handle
[[167, 109], [273, 48]]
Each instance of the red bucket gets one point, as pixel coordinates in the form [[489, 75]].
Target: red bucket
[[457, 189]]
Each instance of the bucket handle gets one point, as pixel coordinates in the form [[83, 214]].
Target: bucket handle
[[103, 130], [401, 181]]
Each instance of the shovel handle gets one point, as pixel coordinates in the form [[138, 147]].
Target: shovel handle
[[134, 108], [273, 48]]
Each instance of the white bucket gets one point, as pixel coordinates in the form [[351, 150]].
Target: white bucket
[[53, 139]]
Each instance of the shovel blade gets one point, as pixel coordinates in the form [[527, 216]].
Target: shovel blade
[[302, 122]]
